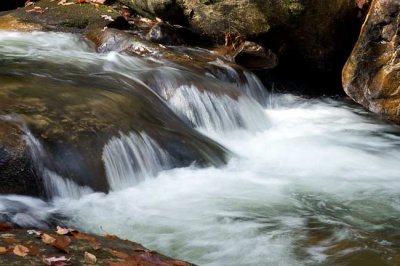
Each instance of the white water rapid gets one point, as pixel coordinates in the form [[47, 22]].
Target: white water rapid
[[311, 181]]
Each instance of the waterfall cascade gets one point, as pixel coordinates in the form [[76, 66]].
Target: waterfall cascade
[[294, 192], [130, 159]]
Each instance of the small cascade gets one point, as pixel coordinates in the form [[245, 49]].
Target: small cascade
[[55, 185], [63, 187], [217, 113], [255, 89], [130, 159], [247, 82]]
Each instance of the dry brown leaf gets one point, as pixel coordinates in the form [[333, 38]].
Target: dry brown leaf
[[3, 250], [90, 258], [20, 250], [117, 254], [65, 3], [48, 239], [82, 236], [62, 243], [10, 240], [36, 9], [95, 245], [29, 3], [111, 236], [64, 231], [33, 251]]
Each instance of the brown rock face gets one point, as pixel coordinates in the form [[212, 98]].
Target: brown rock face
[[371, 75], [312, 38]]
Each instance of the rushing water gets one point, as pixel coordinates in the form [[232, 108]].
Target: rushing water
[[311, 181]]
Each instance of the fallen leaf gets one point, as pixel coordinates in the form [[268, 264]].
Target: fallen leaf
[[29, 3], [177, 263], [56, 261], [20, 250], [3, 250], [82, 236], [5, 227], [65, 3], [64, 231], [111, 236], [10, 240], [117, 254], [48, 239], [90, 258], [62, 243], [36, 9], [95, 245], [34, 232], [33, 251]]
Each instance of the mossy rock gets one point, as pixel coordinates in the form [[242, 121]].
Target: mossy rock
[[70, 18]]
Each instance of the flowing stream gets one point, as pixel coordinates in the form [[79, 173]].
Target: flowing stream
[[307, 182]]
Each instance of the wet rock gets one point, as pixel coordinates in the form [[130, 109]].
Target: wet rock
[[165, 34], [371, 75], [75, 113], [311, 38], [17, 175], [10, 23], [71, 18], [255, 57], [46, 247]]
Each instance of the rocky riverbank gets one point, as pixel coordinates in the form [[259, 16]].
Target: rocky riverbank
[[304, 42], [63, 246]]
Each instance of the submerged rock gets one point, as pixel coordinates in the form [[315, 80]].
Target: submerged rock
[[74, 113], [371, 75]]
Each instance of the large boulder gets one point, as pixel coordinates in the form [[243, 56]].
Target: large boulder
[[75, 111], [310, 37], [371, 75]]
